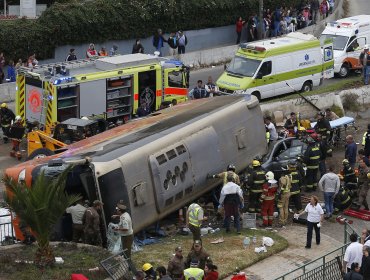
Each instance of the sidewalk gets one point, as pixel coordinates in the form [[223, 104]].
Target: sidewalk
[[220, 55], [293, 257]]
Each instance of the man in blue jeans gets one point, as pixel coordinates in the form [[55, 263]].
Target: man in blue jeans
[[365, 62], [329, 184]]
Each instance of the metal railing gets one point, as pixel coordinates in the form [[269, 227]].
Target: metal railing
[[327, 267], [6, 231]]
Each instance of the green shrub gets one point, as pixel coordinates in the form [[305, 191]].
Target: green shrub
[[77, 22], [350, 102]]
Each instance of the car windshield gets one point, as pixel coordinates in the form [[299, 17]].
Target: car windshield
[[243, 66], [339, 42]]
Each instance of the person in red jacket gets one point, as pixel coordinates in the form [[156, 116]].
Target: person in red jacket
[[91, 51], [239, 27], [210, 272], [267, 199]]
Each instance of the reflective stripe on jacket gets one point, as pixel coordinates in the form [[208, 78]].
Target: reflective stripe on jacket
[[193, 214]]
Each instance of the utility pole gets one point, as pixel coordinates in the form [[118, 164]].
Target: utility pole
[[261, 22]]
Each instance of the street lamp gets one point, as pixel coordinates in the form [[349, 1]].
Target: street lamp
[[261, 22]]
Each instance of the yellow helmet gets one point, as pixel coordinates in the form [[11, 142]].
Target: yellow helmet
[[301, 128], [345, 162], [256, 163], [4, 105], [368, 175], [147, 266]]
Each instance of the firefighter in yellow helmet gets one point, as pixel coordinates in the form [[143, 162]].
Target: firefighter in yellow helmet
[[349, 176], [255, 182], [16, 132], [6, 118], [149, 271]]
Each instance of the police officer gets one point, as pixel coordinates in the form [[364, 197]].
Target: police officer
[[255, 181], [349, 177], [199, 254], [295, 190], [312, 159], [366, 141], [6, 118], [176, 265], [322, 126]]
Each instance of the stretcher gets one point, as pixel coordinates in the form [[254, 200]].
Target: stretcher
[[341, 122], [360, 214]]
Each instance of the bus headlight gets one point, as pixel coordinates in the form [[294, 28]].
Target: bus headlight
[[22, 175]]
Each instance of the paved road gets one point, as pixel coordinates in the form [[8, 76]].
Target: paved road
[[359, 7]]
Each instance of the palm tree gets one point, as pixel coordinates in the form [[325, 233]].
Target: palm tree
[[40, 207]]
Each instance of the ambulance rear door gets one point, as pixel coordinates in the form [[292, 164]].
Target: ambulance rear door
[[328, 59]]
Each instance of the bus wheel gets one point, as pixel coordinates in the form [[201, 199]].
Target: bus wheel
[[344, 71], [40, 153], [307, 86], [257, 94]]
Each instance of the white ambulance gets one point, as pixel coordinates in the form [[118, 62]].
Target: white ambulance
[[349, 35]]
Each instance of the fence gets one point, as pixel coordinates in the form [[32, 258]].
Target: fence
[[6, 230], [327, 267]]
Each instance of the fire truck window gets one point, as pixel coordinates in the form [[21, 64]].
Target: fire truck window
[[175, 79], [147, 88]]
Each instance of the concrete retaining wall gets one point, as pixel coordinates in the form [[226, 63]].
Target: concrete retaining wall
[[7, 92], [323, 101]]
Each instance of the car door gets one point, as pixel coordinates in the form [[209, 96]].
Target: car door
[[354, 49], [265, 80]]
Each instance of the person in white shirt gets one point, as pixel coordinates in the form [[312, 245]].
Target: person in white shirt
[[77, 212], [353, 253], [315, 217], [211, 88], [231, 199], [270, 127], [124, 228]]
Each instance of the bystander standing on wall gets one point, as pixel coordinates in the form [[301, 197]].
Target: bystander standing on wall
[[71, 56], [158, 41], [239, 28], [137, 47], [114, 50], [315, 5], [11, 72], [172, 44], [182, 42]]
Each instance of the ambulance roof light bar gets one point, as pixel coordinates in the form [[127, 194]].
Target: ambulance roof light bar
[[340, 24], [249, 47]]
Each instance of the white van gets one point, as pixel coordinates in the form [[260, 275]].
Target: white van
[[267, 68], [349, 37]]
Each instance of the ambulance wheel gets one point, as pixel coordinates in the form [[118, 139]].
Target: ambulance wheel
[[257, 94], [307, 86], [40, 153], [344, 71]]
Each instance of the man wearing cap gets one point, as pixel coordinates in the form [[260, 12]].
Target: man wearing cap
[[125, 228], [91, 220], [198, 253], [194, 271], [77, 212], [71, 56], [194, 218], [365, 62], [176, 265]]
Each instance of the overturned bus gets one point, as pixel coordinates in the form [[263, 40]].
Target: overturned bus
[[159, 163]]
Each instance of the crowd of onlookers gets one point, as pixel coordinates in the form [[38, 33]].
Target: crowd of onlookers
[[283, 19]]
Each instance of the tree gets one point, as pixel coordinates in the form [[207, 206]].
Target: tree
[[40, 207]]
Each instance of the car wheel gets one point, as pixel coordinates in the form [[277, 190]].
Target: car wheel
[[344, 71], [307, 86], [257, 94], [40, 153]]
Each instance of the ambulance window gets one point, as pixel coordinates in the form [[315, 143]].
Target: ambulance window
[[266, 68], [175, 79]]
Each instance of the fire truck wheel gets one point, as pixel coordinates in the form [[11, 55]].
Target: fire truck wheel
[[40, 153]]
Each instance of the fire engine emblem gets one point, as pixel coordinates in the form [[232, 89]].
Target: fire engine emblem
[[34, 101], [147, 95]]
